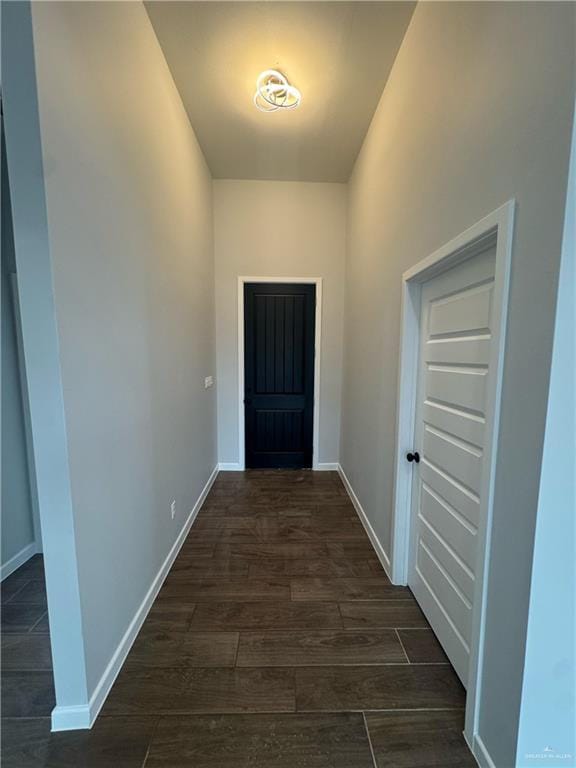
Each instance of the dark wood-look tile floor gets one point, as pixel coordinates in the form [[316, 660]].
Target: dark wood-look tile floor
[[26, 681], [276, 637]]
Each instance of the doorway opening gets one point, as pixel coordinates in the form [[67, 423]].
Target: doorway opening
[[279, 334], [452, 351]]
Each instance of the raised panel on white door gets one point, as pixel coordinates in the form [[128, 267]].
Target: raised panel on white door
[[442, 588], [458, 387], [447, 521], [465, 311], [460, 349], [455, 494], [460, 460], [466, 426], [457, 573]]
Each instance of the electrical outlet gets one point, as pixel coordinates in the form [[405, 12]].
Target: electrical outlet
[[208, 381], [173, 509]]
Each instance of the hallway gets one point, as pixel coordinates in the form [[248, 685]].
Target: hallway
[[276, 641], [248, 235]]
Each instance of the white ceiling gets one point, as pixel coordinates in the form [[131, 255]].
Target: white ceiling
[[339, 54]]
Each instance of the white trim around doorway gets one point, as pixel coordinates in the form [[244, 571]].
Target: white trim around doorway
[[494, 229], [317, 281]]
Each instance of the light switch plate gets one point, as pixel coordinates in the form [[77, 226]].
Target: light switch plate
[[208, 381]]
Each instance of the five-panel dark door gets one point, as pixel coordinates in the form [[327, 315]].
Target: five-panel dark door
[[279, 333]]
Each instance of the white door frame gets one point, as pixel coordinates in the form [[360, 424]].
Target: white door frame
[[494, 229], [317, 281]]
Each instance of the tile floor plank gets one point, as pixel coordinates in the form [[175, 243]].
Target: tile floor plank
[[194, 568], [319, 647], [155, 648], [201, 691], [261, 741], [419, 739], [42, 626], [369, 588], [238, 529], [207, 590], [258, 550], [32, 568], [330, 567], [382, 613], [26, 652], [320, 529], [167, 615], [175, 649], [422, 647], [210, 649], [350, 548], [27, 694], [194, 547], [341, 689], [11, 586], [120, 742], [32, 593], [266, 615], [20, 617]]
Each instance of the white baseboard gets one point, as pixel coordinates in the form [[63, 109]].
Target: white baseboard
[[378, 548], [19, 559], [77, 717], [71, 718], [224, 466], [481, 754], [230, 467]]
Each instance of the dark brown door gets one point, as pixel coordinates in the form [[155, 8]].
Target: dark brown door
[[279, 332]]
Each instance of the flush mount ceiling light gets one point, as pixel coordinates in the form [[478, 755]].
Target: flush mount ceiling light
[[274, 92]]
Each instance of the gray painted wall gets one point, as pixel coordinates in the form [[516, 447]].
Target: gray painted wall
[[17, 520], [477, 110], [282, 229], [130, 235], [130, 224]]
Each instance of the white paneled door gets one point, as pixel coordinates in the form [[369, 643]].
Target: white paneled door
[[448, 459]]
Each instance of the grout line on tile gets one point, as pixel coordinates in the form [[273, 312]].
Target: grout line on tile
[[31, 629], [418, 709], [189, 623], [402, 644], [369, 740], [393, 600], [11, 599], [373, 629], [152, 735], [237, 649]]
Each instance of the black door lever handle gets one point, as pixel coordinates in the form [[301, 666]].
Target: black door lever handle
[[413, 457]]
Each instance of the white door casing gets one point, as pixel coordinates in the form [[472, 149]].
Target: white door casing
[[453, 376], [494, 230]]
